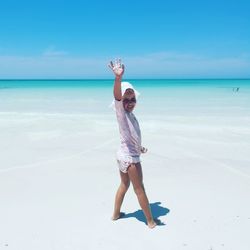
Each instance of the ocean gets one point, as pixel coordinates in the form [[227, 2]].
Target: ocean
[[158, 97]]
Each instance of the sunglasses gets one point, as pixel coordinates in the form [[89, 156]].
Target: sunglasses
[[126, 100]]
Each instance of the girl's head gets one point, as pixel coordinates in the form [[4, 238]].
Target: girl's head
[[129, 99], [129, 96]]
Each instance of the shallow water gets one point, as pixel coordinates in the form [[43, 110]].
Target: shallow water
[[44, 120]]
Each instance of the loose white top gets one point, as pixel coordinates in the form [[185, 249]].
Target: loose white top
[[130, 133]]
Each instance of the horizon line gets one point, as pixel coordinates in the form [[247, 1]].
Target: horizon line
[[109, 79]]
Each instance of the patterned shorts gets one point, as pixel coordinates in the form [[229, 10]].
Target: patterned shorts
[[124, 161]]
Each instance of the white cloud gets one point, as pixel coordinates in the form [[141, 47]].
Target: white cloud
[[58, 64], [50, 67], [172, 64], [51, 51]]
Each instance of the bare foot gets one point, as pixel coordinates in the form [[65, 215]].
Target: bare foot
[[152, 224], [116, 217]]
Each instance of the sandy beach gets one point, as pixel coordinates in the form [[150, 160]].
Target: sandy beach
[[58, 178]]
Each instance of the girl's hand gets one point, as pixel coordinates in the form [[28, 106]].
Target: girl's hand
[[144, 150], [117, 67]]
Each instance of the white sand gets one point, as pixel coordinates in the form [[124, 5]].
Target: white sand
[[58, 178]]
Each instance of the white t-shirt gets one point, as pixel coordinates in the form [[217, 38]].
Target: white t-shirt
[[130, 133]]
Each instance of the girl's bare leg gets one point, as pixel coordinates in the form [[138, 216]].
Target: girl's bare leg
[[120, 194], [135, 175]]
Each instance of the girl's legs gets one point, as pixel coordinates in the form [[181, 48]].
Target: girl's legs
[[120, 194], [135, 175]]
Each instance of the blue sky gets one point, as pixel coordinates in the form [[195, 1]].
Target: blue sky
[[155, 39]]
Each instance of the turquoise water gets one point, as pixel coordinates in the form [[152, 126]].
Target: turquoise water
[[158, 97], [145, 83]]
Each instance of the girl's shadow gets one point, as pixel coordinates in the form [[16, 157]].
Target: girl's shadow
[[156, 209]]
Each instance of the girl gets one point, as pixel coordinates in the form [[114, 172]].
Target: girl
[[128, 155]]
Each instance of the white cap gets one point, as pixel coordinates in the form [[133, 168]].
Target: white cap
[[127, 85]]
